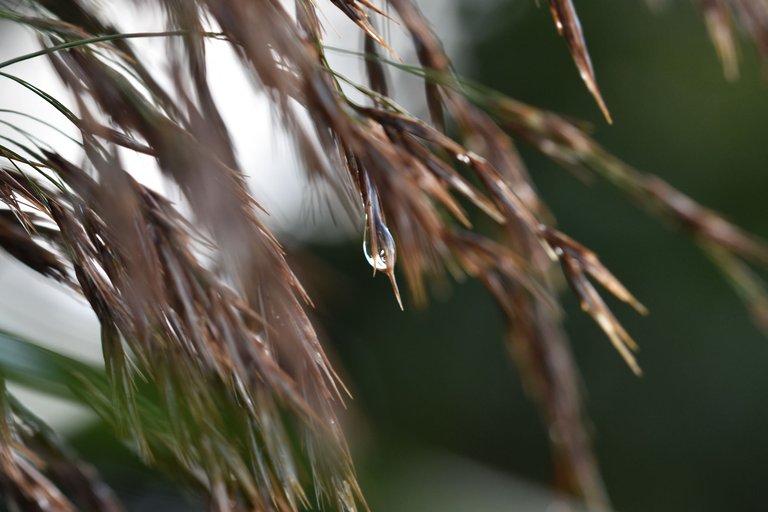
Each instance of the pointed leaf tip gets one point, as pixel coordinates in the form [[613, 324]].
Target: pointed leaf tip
[[569, 26]]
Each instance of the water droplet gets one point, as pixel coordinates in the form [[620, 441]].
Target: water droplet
[[463, 158], [379, 246], [380, 251], [384, 257]]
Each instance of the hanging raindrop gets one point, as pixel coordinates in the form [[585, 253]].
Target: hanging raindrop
[[381, 253], [378, 243], [384, 257]]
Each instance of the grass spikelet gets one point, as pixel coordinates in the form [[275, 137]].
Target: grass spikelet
[[569, 26]]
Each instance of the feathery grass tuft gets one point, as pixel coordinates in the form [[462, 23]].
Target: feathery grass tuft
[[212, 366]]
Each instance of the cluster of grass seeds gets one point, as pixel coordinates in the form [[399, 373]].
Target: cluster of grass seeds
[[213, 370]]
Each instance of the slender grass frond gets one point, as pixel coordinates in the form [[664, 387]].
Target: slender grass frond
[[37, 473], [724, 17], [569, 26]]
